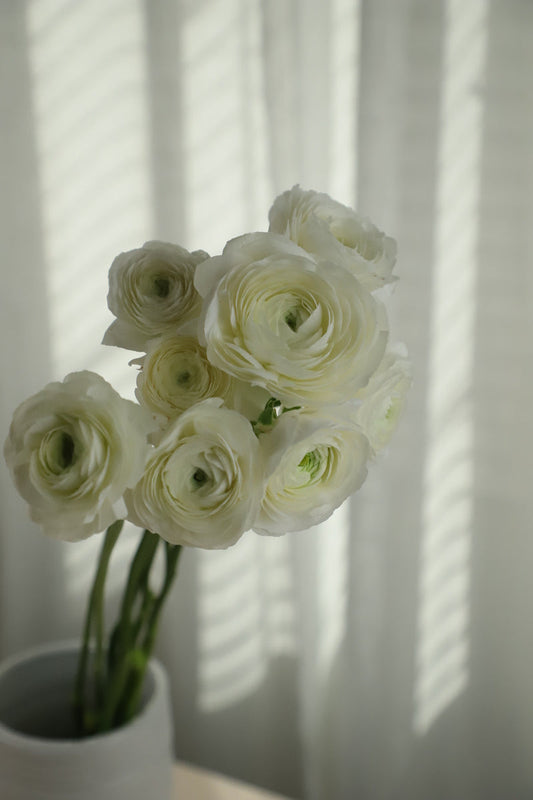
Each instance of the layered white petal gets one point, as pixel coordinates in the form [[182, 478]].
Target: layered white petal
[[204, 480], [334, 232], [313, 462], [176, 374], [380, 404], [151, 293], [308, 332], [73, 449]]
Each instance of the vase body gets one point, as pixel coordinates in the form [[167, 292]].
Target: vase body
[[40, 759]]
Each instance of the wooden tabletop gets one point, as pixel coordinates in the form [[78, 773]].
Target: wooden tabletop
[[193, 783]]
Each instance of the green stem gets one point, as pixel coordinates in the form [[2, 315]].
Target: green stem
[[95, 607], [172, 554], [137, 582], [116, 688], [112, 697], [134, 689], [145, 612], [123, 655]]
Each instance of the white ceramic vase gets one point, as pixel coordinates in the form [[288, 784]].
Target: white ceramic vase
[[39, 759]]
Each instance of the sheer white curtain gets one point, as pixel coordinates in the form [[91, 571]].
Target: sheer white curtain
[[387, 654]]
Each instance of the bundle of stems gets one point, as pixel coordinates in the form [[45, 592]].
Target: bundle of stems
[[112, 667]]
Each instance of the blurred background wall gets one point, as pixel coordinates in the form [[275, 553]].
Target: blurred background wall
[[389, 652]]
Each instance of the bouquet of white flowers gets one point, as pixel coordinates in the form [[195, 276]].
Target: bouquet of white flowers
[[266, 383]]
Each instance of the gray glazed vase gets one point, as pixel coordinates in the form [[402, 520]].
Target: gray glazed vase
[[39, 759]]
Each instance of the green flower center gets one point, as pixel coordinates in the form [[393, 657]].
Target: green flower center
[[59, 451], [311, 463], [390, 412], [199, 477], [183, 377], [292, 320], [295, 316], [161, 286], [67, 450]]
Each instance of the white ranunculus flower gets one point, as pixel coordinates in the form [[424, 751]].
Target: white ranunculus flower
[[151, 293], [309, 333], [313, 462], [203, 483], [381, 403], [333, 231], [73, 448], [175, 375]]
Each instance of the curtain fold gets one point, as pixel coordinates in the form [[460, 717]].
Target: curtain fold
[[387, 653]]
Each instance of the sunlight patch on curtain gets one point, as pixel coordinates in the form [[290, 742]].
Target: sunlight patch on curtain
[[332, 587], [246, 616], [223, 123], [343, 81], [91, 126], [444, 589]]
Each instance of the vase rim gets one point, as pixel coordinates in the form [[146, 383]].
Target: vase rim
[[67, 646]]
